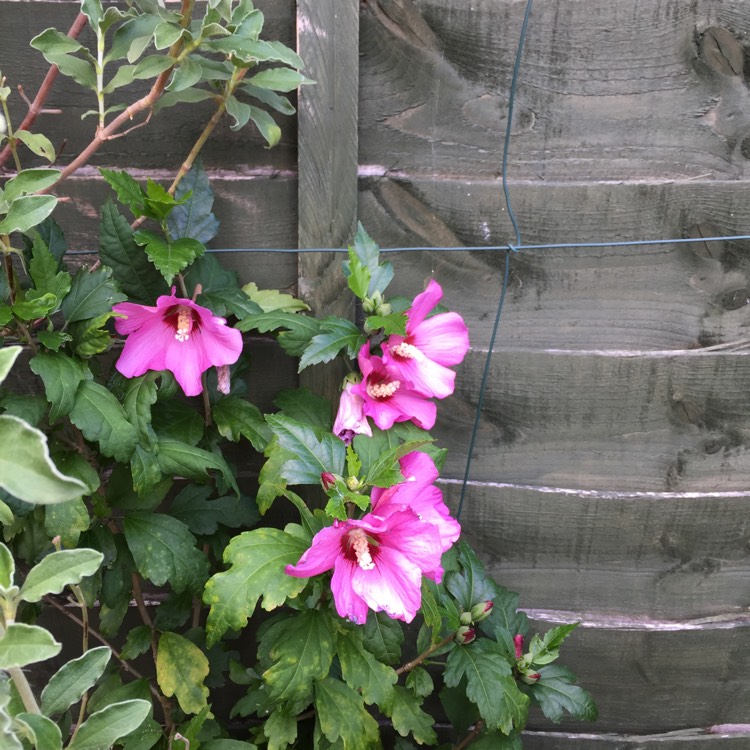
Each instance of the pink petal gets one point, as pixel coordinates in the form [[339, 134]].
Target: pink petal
[[423, 304], [442, 338], [322, 553], [145, 349], [136, 316], [348, 603], [418, 466], [424, 376], [417, 541]]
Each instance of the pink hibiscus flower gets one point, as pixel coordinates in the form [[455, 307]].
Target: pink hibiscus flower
[[386, 398], [421, 358], [418, 493], [377, 563], [176, 335], [350, 418]]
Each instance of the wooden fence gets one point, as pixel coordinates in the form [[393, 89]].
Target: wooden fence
[[611, 476]]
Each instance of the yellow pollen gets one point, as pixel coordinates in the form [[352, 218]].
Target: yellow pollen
[[184, 323], [359, 542], [383, 390], [407, 351]]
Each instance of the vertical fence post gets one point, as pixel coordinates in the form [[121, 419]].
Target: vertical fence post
[[328, 42]]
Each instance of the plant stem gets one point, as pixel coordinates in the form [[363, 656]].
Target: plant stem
[[24, 690], [431, 650], [11, 133], [471, 736], [100, 75], [38, 104]]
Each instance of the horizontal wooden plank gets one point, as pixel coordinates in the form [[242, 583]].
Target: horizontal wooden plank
[[662, 423], [167, 140], [652, 297], [654, 556], [607, 90], [697, 739], [254, 209], [656, 681]]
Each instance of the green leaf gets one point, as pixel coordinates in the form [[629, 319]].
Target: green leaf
[[26, 212], [186, 96], [302, 405], [26, 470], [8, 356], [129, 192], [137, 642], [90, 337], [92, 9], [186, 75], [270, 300], [73, 679], [7, 567], [164, 550], [203, 516], [341, 715], [409, 718], [43, 270], [103, 728], [131, 267], [47, 735], [363, 672], [152, 66], [299, 328], [140, 396], [8, 738], [383, 638], [132, 38], [52, 41], [279, 79], [256, 561], [26, 644], [37, 143], [166, 34], [181, 459], [556, 694], [67, 520], [101, 418], [61, 376], [312, 455], [169, 257], [419, 682], [93, 294], [471, 586], [490, 684], [194, 217], [58, 570], [335, 334], [181, 668], [29, 181], [236, 418], [270, 99]]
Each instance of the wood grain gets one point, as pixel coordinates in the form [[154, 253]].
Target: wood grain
[[680, 740]]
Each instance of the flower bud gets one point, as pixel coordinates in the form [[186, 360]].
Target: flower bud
[[531, 679], [353, 483], [518, 640], [383, 309], [327, 480], [465, 635], [481, 611], [465, 618]]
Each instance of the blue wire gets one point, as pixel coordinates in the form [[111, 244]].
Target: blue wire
[[508, 250]]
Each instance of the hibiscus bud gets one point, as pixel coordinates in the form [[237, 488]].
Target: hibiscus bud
[[327, 480], [465, 635], [223, 380], [518, 640], [383, 309], [353, 483], [465, 618], [531, 679], [481, 611]]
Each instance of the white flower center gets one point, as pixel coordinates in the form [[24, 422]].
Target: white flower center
[[184, 323], [361, 547], [405, 351], [383, 390]]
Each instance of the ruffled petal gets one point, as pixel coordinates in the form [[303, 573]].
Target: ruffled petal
[[145, 349], [135, 316], [322, 553], [424, 376], [418, 541], [422, 305], [348, 603], [443, 338]]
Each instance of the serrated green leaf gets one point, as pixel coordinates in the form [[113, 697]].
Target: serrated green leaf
[[335, 335], [299, 329], [43, 270], [281, 729], [164, 550], [271, 300], [129, 192], [103, 728], [140, 396], [73, 679], [26, 212], [342, 716], [90, 337], [383, 638], [409, 718], [302, 405], [26, 470], [170, 258], [489, 684], [363, 672], [67, 520], [61, 376], [236, 418], [58, 570], [26, 644], [47, 735], [313, 455], [137, 642], [556, 693], [180, 459], [132, 269], [181, 668], [256, 560], [101, 418], [37, 143], [194, 217], [419, 682], [203, 516], [93, 293], [279, 79]]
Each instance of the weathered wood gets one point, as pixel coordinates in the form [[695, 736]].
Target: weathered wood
[[664, 423], [652, 297], [328, 38], [681, 740], [648, 681], [608, 91], [170, 134], [651, 555]]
